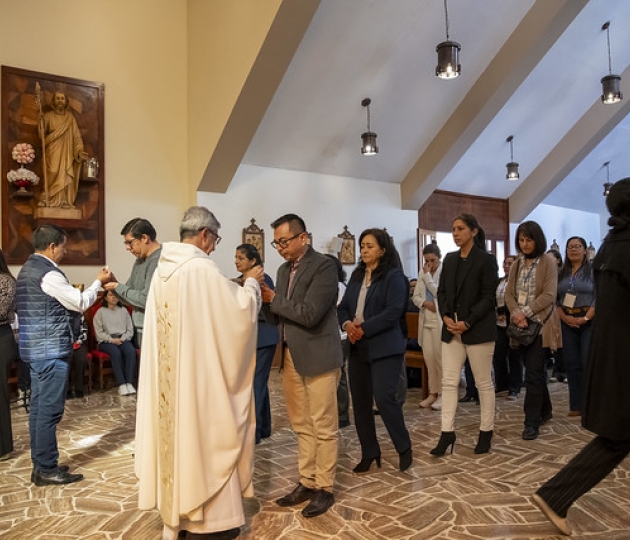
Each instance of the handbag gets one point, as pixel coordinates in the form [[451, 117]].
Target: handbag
[[524, 337]]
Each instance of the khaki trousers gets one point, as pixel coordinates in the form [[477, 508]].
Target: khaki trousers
[[453, 357], [312, 408]]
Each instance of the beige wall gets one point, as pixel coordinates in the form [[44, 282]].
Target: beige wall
[[138, 48], [224, 39]]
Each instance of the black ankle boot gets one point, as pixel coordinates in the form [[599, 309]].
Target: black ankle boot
[[405, 459], [483, 444], [447, 438], [365, 464]]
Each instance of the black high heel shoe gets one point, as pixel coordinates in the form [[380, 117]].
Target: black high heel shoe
[[467, 398], [405, 459], [447, 438], [483, 444], [365, 464]]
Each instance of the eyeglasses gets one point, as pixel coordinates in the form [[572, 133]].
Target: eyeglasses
[[218, 240], [129, 243], [284, 242], [575, 246]]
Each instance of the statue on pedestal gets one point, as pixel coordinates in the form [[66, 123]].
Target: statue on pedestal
[[63, 156]]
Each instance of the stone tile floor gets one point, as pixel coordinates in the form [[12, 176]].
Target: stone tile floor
[[461, 496]]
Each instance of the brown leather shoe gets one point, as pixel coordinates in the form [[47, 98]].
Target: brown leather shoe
[[320, 503], [299, 495]]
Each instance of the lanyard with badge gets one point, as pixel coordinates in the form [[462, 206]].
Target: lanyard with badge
[[522, 295], [569, 298]]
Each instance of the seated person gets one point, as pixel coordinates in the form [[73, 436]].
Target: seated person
[[114, 330], [76, 373]]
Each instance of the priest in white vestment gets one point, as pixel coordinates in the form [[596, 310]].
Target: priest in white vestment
[[195, 425]]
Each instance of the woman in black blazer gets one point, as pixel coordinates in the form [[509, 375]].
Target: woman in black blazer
[[371, 312], [466, 302]]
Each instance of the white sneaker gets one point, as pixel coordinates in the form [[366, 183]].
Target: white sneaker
[[437, 404], [130, 389], [122, 389]]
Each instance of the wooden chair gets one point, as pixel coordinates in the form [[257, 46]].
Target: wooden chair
[[415, 359]]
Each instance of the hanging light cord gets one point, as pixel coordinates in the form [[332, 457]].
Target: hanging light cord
[[607, 171], [607, 28], [446, 17], [510, 139], [368, 118]]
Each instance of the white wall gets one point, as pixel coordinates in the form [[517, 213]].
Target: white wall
[[562, 223], [326, 203]]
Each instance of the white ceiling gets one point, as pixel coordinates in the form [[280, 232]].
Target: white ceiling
[[530, 68]]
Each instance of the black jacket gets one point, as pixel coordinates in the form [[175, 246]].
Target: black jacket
[[472, 297]]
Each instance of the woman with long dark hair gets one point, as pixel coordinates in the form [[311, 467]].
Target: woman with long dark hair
[[466, 301], [576, 309], [8, 353], [530, 298], [246, 258], [372, 313]]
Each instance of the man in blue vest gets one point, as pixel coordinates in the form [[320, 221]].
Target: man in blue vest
[[47, 305]]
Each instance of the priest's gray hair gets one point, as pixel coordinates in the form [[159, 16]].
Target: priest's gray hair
[[195, 220]]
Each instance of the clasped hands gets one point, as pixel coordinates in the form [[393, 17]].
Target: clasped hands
[[453, 327], [519, 319], [354, 331]]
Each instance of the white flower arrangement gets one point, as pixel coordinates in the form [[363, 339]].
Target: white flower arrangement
[[23, 153], [22, 178]]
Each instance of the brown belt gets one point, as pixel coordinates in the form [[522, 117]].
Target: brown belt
[[576, 311]]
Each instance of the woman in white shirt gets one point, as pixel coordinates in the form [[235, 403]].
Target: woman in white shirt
[[430, 323], [114, 330]]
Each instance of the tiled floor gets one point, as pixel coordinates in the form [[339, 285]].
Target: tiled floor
[[461, 496]]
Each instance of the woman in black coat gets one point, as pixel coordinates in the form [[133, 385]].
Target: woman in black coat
[[606, 407], [466, 302], [372, 312]]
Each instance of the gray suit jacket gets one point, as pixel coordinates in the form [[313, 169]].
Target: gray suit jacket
[[309, 315]]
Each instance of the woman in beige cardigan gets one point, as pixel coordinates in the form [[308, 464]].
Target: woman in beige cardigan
[[530, 298]]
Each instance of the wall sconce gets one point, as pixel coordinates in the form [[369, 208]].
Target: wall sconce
[[448, 66], [368, 148], [611, 84], [591, 252], [512, 166], [608, 184]]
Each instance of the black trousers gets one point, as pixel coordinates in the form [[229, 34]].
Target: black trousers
[[8, 353], [343, 397], [587, 469], [376, 381], [537, 401]]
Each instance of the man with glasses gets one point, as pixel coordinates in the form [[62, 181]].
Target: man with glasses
[[140, 240], [196, 427], [304, 306]]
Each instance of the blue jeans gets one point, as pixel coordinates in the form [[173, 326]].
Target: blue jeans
[[264, 359], [122, 355], [48, 396], [575, 343]]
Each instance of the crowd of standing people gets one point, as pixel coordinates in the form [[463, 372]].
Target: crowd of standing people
[[467, 315]]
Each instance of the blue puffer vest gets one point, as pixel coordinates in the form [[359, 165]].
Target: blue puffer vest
[[45, 331]]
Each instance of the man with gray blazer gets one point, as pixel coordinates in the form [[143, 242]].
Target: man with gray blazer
[[304, 306]]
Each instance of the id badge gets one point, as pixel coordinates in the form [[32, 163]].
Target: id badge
[[569, 300], [522, 298]]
